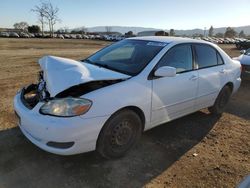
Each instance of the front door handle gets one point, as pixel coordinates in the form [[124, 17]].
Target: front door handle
[[222, 71], [193, 77]]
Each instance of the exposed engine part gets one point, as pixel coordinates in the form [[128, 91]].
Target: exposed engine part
[[30, 96], [81, 89]]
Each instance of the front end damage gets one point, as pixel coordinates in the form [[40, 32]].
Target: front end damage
[[43, 131], [35, 93], [50, 111]]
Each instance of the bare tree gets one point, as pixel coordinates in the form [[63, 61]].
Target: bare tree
[[51, 14], [40, 11], [108, 29], [23, 26], [47, 14]]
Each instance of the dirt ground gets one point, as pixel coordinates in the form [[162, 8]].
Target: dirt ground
[[163, 158]]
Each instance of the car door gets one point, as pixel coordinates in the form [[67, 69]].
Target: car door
[[212, 74], [173, 97]]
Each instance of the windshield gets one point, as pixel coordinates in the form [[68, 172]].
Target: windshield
[[127, 56]]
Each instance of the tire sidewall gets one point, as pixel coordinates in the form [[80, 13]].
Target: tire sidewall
[[103, 143], [225, 92]]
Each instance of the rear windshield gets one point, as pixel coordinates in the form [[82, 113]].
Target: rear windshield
[[127, 56]]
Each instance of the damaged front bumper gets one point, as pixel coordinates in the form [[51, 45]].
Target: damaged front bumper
[[59, 135]]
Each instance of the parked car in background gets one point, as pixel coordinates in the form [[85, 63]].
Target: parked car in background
[[85, 36], [72, 36], [60, 36], [244, 59], [78, 36], [66, 36], [31, 35], [13, 35], [106, 101], [243, 44], [24, 35], [38, 35], [4, 34]]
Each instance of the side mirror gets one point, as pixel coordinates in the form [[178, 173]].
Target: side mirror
[[243, 51], [165, 71]]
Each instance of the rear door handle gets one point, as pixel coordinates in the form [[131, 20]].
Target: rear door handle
[[193, 77]]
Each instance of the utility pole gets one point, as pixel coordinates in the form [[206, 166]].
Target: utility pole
[[205, 31]]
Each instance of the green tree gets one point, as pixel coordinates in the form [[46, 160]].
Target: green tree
[[230, 33], [34, 29], [242, 34], [171, 32], [211, 31], [129, 34], [219, 35], [161, 33]]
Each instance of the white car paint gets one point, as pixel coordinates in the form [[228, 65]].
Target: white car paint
[[244, 59], [160, 100], [61, 73]]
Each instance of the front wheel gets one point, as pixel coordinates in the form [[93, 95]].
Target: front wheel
[[221, 101], [119, 134]]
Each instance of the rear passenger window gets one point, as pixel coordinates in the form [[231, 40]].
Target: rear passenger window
[[206, 56], [219, 59]]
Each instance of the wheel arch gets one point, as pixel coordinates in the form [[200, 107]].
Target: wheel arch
[[135, 109], [230, 85]]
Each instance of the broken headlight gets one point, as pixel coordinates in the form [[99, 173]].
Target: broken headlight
[[66, 107]]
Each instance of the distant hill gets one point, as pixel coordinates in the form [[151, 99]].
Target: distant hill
[[124, 29], [246, 30], [120, 29]]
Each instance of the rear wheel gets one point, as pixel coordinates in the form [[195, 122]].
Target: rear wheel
[[119, 134], [221, 101]]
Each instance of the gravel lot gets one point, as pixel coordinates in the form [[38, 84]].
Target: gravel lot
[[163, 158]]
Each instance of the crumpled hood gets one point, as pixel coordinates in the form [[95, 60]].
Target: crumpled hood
[[244, 59], [62, 73]]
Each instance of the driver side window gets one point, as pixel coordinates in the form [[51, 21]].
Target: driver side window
[[179, 57]]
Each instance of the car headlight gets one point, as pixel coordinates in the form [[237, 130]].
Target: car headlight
[[66, 107]]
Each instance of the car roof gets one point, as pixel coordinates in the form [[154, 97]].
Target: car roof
[[167, 39]]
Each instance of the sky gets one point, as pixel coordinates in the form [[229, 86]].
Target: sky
[[160, 14]]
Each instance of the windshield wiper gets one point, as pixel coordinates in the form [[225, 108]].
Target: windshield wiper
[[88, 61]]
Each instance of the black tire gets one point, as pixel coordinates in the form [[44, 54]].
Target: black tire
[[221, 101], [119, 134]]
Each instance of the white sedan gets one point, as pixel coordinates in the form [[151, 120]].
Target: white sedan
[[106, 101], [244, 59]]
